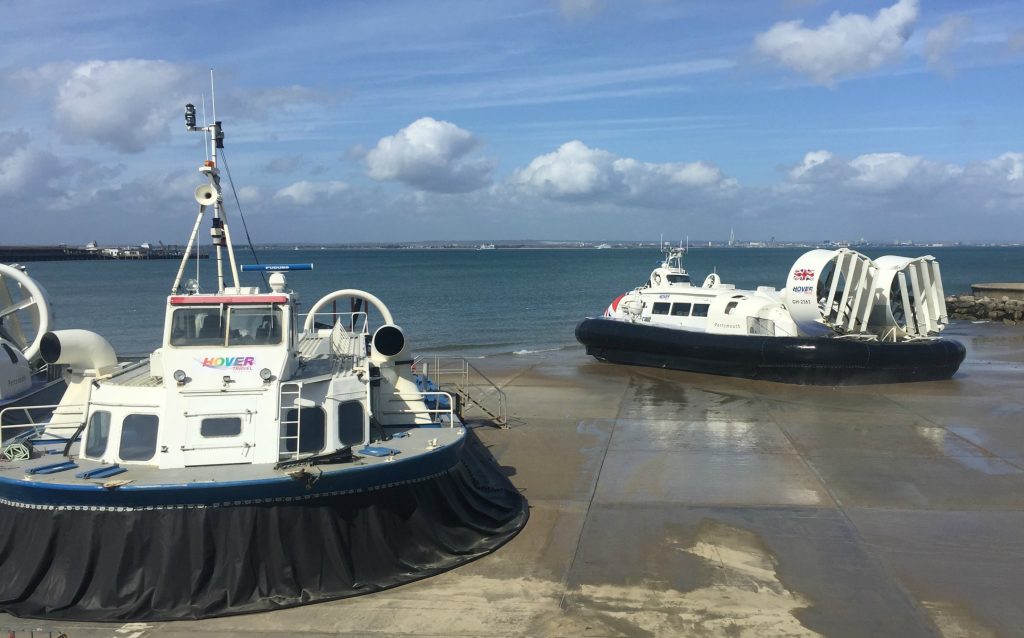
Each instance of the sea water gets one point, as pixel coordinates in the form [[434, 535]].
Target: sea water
[[470, 303]]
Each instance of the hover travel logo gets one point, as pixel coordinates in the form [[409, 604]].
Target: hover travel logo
[[228, 363]]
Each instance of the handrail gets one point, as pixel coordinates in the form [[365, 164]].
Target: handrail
[[27, 409], [440, 369], [436, 414], [47, 430], [350, 318]]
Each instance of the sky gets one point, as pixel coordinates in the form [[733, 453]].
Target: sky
[[403, 121]]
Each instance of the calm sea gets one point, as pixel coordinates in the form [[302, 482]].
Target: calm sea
[[466, 302]]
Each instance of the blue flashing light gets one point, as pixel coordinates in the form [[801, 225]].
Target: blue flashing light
[[275, 267]]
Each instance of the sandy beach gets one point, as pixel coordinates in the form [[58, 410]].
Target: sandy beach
[[674, 504]]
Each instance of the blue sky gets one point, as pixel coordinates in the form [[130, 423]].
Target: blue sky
[[571, 119]]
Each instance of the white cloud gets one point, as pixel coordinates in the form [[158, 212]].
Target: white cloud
[[124, 104], [811, 161], [26, 172], [576, 172], [250, 194], [884, 193], [941, 40], [305, 193], [844, 45], [1008, 166], [873, 172], [430, 155]]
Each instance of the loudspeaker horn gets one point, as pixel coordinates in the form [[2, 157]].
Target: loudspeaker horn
[[206, 194]]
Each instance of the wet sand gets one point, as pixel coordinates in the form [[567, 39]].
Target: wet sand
[[674, 504]]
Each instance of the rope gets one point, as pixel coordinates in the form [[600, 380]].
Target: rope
[[17, 452]]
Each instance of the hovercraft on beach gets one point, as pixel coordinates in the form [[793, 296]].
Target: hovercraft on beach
[[841, 319], [254, 461], [29, 388]]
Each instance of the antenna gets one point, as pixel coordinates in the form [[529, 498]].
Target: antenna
[[210, 195], [213, 97]]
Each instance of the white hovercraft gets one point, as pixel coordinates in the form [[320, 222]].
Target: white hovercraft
[[302, 450], [842, 318]]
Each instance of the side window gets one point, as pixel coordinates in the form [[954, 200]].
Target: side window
[[98, 434], [221, 426], [350, 422], [660, 308], [138, 437], [729, 307], [700, 309], [308, 424], [680, 310]]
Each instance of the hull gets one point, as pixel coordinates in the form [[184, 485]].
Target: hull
[[805, 361], [143, 564]]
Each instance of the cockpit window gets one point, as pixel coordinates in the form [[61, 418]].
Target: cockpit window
[[198, 326], [254, 325], [230, 326], [678, 279]]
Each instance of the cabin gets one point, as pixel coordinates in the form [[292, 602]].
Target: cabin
[[237, 382]]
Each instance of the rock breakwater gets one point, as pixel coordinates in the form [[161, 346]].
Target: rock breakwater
[[1004, 309]]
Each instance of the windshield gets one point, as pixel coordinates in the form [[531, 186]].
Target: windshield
[[226, 326]]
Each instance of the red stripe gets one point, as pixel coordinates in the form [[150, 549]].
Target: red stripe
[[199, 300]]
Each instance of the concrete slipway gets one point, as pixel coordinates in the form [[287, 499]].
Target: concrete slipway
[[674, 504]]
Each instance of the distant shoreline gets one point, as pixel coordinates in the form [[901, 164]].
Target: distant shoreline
[[30, 253], [624, 246]]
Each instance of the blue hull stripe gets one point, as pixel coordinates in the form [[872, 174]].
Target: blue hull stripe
[[318, 482]]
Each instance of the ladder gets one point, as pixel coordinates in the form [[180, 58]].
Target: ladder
[[288, 396]]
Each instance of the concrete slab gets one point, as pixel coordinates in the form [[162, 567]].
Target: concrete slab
[[966, 569], [732, 435], [703, 478], [687, 571]]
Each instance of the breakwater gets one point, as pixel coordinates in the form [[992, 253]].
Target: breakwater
[[969, 307], [11, 254]]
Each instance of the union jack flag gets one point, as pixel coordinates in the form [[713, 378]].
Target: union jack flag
[[803, 274]]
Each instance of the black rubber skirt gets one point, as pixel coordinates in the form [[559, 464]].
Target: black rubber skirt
[[193, 563], [806, 361]]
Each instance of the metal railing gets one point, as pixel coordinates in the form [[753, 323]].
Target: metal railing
[[436, 414], [357, 321], [461, 377], [59, 427]]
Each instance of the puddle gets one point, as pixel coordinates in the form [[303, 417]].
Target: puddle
[[965, 452]]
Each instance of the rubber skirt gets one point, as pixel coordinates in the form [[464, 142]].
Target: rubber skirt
[[203, 562], [799, 360]]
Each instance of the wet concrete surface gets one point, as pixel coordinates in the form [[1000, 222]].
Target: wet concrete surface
[[674, 504]]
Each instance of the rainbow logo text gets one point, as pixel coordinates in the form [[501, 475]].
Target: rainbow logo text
[[234, 363]]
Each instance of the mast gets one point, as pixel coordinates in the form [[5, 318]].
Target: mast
[[207, 195]]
